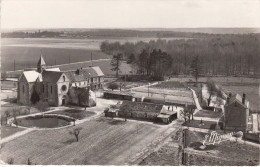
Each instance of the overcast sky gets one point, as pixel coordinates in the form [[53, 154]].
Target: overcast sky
[[129, 13]]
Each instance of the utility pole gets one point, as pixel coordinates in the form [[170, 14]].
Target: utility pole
[[14, 64], [91, 60]]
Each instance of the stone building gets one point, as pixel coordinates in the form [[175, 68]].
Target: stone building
[[59, 87], [236, 113]]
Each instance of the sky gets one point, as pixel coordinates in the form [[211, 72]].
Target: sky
[[129, 13]]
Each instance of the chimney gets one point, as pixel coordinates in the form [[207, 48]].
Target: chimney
[[79, 71], [228, 98], [244, 98]]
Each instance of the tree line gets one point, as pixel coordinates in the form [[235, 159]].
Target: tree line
[[221, 55]]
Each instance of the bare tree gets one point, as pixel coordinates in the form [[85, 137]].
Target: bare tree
[[76, 132]]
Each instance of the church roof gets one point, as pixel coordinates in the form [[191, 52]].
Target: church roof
[[41, 61], [31, 76], [51, 76]]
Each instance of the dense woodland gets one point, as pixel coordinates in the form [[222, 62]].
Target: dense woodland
[[222, 55]]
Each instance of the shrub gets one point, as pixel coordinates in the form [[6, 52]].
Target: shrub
[[113, 86]]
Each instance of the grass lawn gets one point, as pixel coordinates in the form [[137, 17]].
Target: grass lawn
[[102, 141], [209, 114], [9, 130], [77, 114], [225, 153], [196, 124]]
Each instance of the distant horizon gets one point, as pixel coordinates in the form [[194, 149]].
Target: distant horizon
[[129, 28], [129, 14]]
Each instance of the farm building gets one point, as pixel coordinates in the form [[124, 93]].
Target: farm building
[[58, 87], [147, 111], [120, 95], [167, 115], [138, 110], [236, 113]]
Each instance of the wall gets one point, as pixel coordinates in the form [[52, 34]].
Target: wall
[[236, 117], [23, 97]]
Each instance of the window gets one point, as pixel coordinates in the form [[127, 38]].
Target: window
[[99, 79], [63, 88], [51, 89], [63, 78], [91, 80]]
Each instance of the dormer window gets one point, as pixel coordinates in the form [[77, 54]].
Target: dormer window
[[63, 78]]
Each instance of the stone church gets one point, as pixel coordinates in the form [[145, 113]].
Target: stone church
[[59, 87]]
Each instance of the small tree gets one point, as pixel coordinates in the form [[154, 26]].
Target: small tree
[[106, 111], [212, 90], [76, 132], [10, 161], [113, 86], [184, 114], [7, 115], [29, 162], [42, 106], [4, 76]]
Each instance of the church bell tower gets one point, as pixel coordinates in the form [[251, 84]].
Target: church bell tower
[[41, 65]]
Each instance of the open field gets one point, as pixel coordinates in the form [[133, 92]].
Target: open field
[[26, 51], [27, 57], [252, 93], [101, 141], [249, 86]]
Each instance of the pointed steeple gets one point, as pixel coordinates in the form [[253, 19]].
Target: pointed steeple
[[41, 65]]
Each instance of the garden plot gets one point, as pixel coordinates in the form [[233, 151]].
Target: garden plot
[[102, 141], [177, 95]]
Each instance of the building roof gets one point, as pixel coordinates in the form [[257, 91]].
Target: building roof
[[51, 76], [238, 99], [83, 73], [119, 92], [41, 61], [52, 69], [163, 116], [142, 106], [98, 71], [31, 76]]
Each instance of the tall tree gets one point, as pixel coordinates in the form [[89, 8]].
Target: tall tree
[[196, 67], [116, 62]]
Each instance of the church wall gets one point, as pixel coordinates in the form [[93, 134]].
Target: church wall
[[23, 95], [52, 94]]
